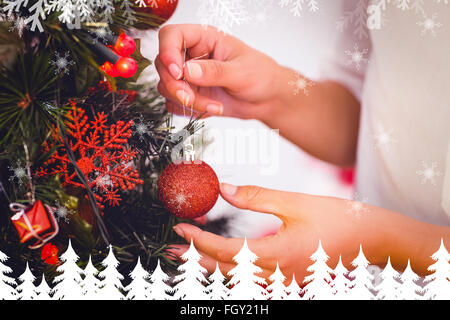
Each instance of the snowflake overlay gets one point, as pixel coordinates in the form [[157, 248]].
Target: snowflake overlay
[[402, 4], [102, 182], [383, 138], [141, 128], [71, 12], [429, 25], [223, 14], [357, 56], [19, 173], [128, 13], [357, 206], [153, 3], [101, 35], [429, 173], [62, 211], [301, 84], [357, 18], [62, 63], [18, 25], [260, 13], [367, 14], [179, 200]]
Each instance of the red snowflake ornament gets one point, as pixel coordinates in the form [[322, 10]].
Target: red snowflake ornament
[[103, 157]]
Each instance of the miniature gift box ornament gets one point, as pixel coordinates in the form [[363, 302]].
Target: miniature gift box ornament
[[35, 222]]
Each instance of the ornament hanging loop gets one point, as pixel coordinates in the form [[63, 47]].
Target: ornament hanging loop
[[15, 207], [189, 153]]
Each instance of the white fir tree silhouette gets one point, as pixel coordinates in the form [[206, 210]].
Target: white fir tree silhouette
[[43, 290], [91, 284], [159, 290], [438, 283], [26, 290], [68, 283], [7, 291], [246, 285], [341, 282], [138, 289], [318, 283], [409, 289], [277, 289], [217, 290], [389, 286], [191, 281], [112, 279], [293, 290], [361, 278]]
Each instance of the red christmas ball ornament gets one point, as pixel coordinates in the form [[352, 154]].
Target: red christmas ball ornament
[[109, 69], [35, 223], [161, 8], [126, 67], [189, 189], [124, 45], [49, 254]]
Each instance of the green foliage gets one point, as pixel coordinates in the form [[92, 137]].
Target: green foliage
[[33, 100], [27, 90]]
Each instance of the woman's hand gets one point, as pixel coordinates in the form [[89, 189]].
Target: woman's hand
[[308, 219], [226, 77], [229, 79]]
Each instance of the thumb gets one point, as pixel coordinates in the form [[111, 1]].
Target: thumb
[[210, 73], [278, 203]]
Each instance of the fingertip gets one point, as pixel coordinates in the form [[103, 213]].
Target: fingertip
[[228, 189], [194, 70], [179, 230], [186, 231], [230, 193], [215, 109], [173, 61], [175, 71]]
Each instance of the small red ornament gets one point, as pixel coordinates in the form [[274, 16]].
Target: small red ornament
[[161, 8], [347, 176], [109, 69], [124, 45], [34, 223], [126, 67], [49, 254], [103, 87], [130, 95], [189, 189]]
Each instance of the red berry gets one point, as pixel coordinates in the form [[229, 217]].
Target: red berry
[[110, 69], [126, 67], [188, 190], [125, 45]]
